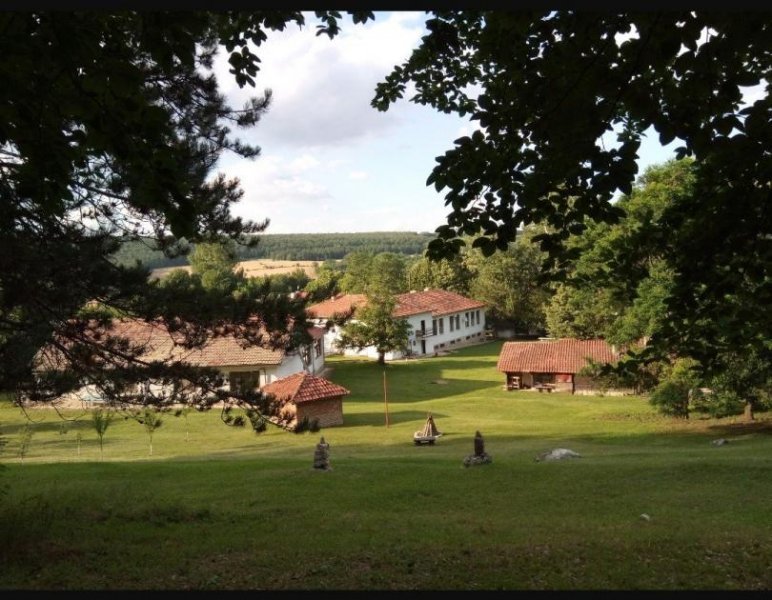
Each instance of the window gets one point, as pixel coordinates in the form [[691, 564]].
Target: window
[[434, 326], [466, 319], [245, 381], [452, 322], [477, 313], [318, 348], [458, 321], [442, 325]]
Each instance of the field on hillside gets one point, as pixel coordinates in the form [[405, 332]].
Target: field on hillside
[[256, 268], [650, 504]]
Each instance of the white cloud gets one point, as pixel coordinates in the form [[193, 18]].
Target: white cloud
[[273, 186], [322, 88], [358, 175], [303, 163]]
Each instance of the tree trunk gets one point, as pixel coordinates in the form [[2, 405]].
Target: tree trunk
[[749, 412], [381, 358]]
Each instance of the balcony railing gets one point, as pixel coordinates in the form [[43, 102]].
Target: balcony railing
[[424, 333]]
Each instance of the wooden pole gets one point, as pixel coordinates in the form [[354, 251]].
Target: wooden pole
[[385, 401]]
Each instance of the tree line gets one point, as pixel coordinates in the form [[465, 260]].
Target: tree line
[[289, 246]]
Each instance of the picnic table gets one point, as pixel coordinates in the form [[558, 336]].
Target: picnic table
[[544, 386]]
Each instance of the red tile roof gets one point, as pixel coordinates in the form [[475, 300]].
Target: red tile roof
[[303, 387], [335, 306], [223, 351], [563, 355], [436, 302]]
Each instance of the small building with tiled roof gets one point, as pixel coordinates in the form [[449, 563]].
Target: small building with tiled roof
[[439, 320], [553, 364], [305, 397]]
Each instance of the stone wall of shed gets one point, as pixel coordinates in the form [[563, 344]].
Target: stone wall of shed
[[329, 412]]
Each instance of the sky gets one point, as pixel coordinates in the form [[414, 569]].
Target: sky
[[331, 163]]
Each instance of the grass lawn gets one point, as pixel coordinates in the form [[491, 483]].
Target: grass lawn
[[219, 507]]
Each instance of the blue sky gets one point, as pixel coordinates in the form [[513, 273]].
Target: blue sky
[[329, 161]]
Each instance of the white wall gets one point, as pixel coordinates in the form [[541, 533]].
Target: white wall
[[469, 331]]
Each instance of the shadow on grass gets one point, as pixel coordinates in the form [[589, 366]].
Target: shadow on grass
[[407, 391], [377, 418]]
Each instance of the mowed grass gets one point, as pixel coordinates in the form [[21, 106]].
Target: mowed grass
[[218, 507]]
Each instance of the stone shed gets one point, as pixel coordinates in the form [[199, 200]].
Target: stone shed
[[303, 395]]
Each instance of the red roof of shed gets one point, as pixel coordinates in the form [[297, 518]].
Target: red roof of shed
[[565, 355], [303, 387]]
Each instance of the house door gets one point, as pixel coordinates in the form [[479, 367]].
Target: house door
[[423, 346]]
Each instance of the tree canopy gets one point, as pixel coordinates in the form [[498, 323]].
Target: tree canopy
[[510, 284], [111, 124], [563, 99], [618, 286]]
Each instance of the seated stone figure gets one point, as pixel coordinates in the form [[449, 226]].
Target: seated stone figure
[[322, 456]]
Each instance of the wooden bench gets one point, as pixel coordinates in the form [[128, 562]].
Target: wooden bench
[[544, 386]]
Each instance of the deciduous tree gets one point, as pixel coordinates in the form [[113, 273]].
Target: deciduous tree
[[214, 262], [450, 274], [374, 325], [510, 284], [563, 99]]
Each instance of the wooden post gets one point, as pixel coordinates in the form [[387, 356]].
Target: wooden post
[[385, 401]]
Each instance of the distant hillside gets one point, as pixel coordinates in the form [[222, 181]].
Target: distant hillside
[[294, 246]]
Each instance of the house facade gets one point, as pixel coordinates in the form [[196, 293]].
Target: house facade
[[243, 367], [254, 367], [439, 319], [554, 364]]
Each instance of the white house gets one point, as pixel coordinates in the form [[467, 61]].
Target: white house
[[251, 367], [439, 320]]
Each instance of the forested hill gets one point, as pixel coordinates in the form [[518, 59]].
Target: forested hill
[[295, 246]]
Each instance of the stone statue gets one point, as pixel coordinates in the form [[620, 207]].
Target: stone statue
[[479, 444], [480, 456], [322, 456]]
